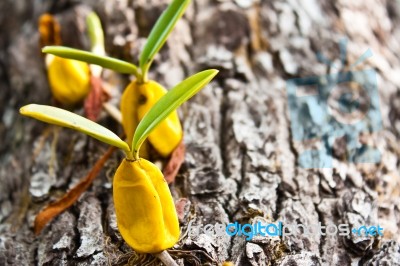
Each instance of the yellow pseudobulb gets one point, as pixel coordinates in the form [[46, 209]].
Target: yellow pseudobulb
[[145, 210], [136, 101], [69, 79]]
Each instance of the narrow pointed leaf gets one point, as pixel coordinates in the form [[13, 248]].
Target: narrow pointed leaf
[[168, 103], [63, 118], [160, 32], [91, 58]]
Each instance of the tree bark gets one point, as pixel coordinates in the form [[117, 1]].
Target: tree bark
[[241, 161]]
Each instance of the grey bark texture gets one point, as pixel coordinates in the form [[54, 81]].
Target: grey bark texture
[[241, 162]]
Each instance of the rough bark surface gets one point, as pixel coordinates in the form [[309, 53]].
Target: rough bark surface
[[240, 161]]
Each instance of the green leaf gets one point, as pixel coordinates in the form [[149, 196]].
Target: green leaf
[[168, 103], [96, 34], [160, 32], [61, 117], [91, 58]]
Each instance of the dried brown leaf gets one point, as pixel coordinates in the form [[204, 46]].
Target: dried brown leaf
[[57, 207], [175, 161], [94, 100]]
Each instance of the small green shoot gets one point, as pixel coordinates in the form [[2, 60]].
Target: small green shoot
[[168, 103], [96, 34]]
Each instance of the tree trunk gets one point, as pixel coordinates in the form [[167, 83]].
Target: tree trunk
[[242, 155]]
